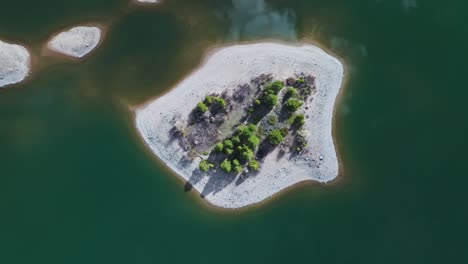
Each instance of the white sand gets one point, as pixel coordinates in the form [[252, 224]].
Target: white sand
[[14, 63], [76, 42], [225, 69]]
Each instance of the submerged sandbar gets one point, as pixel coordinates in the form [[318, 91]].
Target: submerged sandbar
[[224, 71]]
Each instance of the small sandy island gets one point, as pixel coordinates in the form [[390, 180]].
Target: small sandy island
[[14, 63], [76, 42], [148, 1], [236, 135]]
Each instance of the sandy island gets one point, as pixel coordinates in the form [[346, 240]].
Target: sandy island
[[76, 42], [224, 70], [148, 1], [14, 63]]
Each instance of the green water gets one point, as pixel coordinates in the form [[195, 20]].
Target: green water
[[77, 186]]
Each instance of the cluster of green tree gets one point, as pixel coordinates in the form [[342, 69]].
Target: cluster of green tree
[[239, 150], [269, 97], [202, 107]]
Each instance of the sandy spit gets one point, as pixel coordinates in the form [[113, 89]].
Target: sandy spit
[[15, 63], [76, 42], [224, 69]]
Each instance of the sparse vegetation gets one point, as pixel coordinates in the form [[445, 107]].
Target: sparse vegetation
[[272, 120]]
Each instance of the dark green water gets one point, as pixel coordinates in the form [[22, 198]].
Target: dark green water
[[77, 186]]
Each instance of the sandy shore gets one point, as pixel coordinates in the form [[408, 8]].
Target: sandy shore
[[76, 42], [15, 63], [224, 70]]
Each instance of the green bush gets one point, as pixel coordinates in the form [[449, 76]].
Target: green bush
[[235, 140], [201, 107], [275, 137], [246, 153], [219, 147], [244, 133], [220, 101], [253, 165], [205, 165], [228, 151], [238, 169], [293, 104], [228, 144], [272, 120], [237, 166], [208, 100], [291, 92], [226, 166], [274, 87], [299, 120], [253, 141], [257, 102], [270, 100], [252, 128]]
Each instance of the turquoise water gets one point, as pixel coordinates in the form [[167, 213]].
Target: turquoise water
[[78, 186]]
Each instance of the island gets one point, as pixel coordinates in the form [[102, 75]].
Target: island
[[15, 63], [253, 120], [76, 42], [148, 1]]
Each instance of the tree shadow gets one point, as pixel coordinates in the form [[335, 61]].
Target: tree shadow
[[244, 176], [217, 181], [281, 154], [264, 149], [284, 114]]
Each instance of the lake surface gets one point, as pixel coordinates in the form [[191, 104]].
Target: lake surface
[[78, 186]]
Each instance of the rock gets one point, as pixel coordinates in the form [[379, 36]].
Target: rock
[[321, 157], [14, 63]]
